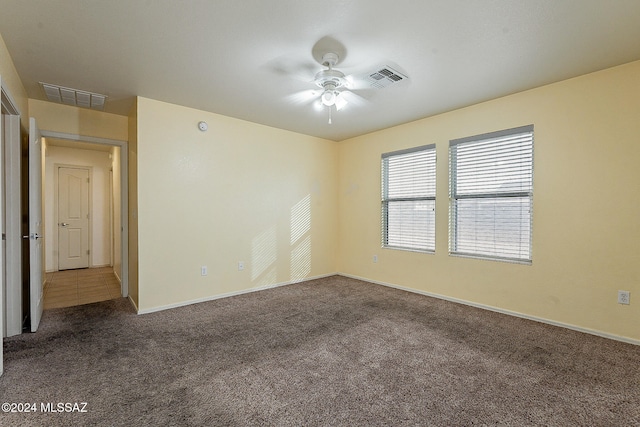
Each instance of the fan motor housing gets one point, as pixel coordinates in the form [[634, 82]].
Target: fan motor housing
[[327, 78]]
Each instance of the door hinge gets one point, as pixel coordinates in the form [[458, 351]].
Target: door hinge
[[88, 251]]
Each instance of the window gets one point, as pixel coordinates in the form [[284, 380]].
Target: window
[[409, 198], [491, 195]]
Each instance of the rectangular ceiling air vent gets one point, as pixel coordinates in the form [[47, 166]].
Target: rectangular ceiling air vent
[[384, 77], [75, 97]]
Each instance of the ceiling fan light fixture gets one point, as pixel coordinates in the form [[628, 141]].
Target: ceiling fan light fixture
[[329, 97]]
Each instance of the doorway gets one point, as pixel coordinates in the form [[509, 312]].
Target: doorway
[[107, 161], [101, 269]]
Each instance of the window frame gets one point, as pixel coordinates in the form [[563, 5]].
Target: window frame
[[386, 200], [454, 196]]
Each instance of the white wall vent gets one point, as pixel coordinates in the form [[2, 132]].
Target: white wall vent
[[75, 97]]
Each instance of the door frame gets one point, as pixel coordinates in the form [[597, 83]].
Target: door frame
[[55, 243], [13, 226], [11, 306], [124, 194], [9, 267]]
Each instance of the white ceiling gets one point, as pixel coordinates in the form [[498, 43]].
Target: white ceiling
[[245, 58]]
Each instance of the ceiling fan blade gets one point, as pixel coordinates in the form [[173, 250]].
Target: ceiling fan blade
[[288, 67], [341, 101], [353, 98], [357, 82], [302, 97]]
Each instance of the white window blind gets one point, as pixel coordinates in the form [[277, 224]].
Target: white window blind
[[408, 199], [491, 195]]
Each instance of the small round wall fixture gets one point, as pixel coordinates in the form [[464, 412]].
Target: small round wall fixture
[[203, 126]]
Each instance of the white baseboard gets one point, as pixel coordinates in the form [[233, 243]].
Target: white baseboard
[[500, 310], [228, 294]]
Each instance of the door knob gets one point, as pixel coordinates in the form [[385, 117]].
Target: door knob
[[63, 224]]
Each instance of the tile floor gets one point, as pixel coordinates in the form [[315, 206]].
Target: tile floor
[[76, 287]]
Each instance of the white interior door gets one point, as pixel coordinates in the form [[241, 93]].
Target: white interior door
[[36, 274], [73, 218]]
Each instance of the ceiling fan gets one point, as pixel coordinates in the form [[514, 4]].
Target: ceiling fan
[[332, 82], [337, 89]]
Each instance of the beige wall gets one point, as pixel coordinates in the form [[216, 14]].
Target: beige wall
[[13, 84], [239, 192], [78, 121], [586, 211]]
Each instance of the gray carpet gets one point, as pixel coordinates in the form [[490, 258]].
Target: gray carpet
[[328, 352]]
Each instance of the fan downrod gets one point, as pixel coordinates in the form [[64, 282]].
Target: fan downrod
[[330, 79]]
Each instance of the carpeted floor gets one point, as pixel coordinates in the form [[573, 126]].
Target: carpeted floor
[[328, 352]]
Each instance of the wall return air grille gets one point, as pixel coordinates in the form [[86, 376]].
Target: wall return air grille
[[75, 97]]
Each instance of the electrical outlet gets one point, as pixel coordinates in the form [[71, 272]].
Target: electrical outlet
[[240, 265], [375, 258], [203, 270], [623, 297]]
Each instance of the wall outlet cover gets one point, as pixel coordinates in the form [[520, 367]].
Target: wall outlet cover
[[623, 297]]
